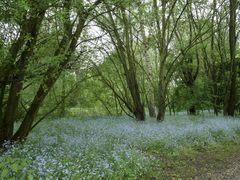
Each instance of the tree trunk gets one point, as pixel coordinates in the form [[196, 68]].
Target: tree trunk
[[230, 99], [161, 102], [6, 129], [14, 94], [27, 122], [216, 100], [161, 109], [138, 108], [66, 48], [151, 109], [124, 48], [162, 53], [192, 110], [173, 108], [147, 63], [31, 28], [63, 104], [139, 113], [2, 92]]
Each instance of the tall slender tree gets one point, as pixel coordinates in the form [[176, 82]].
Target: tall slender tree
[[230, 98]]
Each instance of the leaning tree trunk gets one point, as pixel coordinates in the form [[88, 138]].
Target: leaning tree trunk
[[138, 107], [130, 71], [27, 122], [63, 105], [31, 27], [124, 48], [66, 48]]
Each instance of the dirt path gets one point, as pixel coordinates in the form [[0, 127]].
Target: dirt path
[[220, 162], [230, 170]]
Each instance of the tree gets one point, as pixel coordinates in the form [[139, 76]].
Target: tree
[[22, 51], [214, 52], [15, 68], [122, 40], [165, 28], [230, 98], [66, 48], [147, 60]]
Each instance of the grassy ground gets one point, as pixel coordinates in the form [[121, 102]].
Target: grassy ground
[[121, 148], [193, 163]]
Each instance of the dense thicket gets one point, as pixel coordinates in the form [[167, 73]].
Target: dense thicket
[[66, 58]]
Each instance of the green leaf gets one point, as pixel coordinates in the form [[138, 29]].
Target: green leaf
[[30, 177], [4, 173], [15, 167]]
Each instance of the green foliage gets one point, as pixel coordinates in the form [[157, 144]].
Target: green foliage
[[183, 99], [13, 10]]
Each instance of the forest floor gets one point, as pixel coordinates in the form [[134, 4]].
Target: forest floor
[[230, 169], [181, 147], [220, 162]]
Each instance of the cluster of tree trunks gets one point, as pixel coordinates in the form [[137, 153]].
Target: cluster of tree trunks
[[166, 26], [14, 74]]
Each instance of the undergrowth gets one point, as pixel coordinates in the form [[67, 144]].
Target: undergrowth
[[114, 147]]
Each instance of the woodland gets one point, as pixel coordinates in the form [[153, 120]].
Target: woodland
[[118, 89]]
